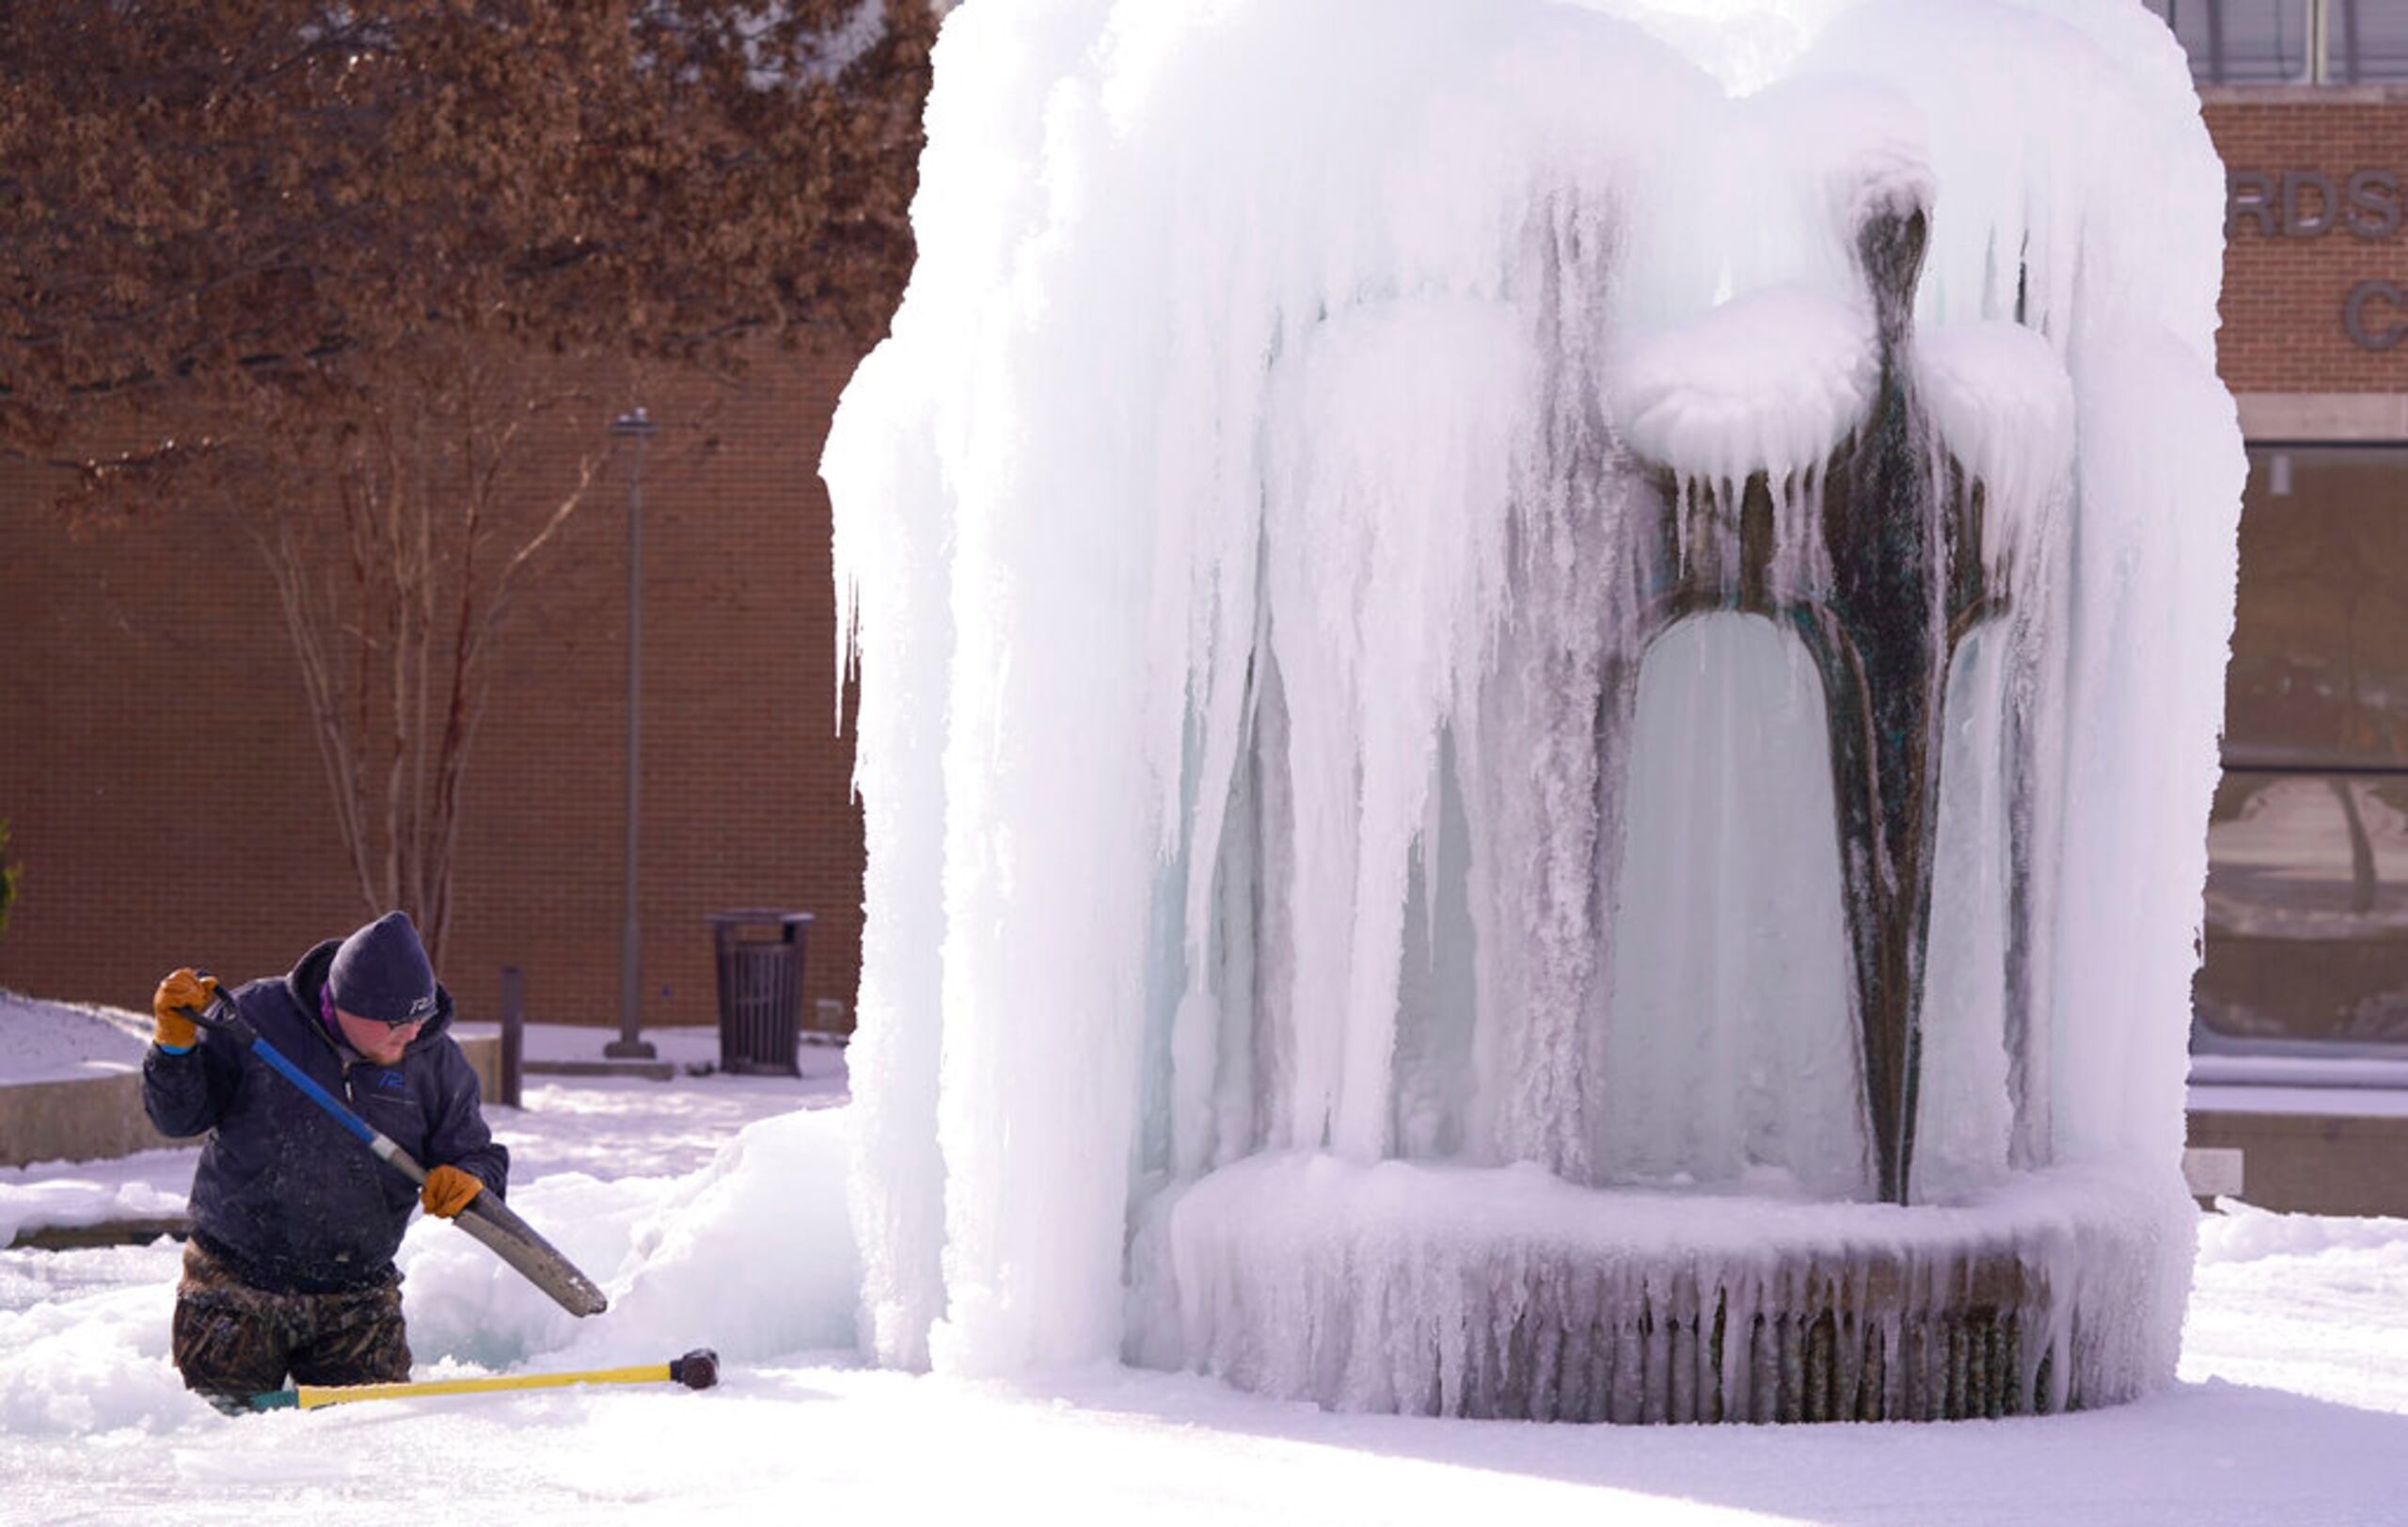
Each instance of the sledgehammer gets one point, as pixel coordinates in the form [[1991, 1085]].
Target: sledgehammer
[[698, 1369]]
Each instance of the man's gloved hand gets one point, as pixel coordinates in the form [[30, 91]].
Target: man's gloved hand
[[448, 1191], [185, 988]]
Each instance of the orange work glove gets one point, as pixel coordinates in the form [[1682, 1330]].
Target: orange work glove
[[185, 988], [448, 1191]]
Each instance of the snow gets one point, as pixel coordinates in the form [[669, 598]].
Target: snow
[[709, 1202], [1779, 375], [148, 1184], [714, 1214], [2293, 1404], [65, 1041]]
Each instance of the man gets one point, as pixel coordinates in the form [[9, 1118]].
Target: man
[[290, 1268]]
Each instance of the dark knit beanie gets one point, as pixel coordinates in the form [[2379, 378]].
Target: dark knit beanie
[[381, 973]]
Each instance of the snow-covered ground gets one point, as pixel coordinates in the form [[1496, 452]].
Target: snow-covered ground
[[608, 1128], [2292, 1408], [64, 1042]]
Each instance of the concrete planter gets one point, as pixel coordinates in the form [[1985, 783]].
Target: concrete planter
[[91, 1119]]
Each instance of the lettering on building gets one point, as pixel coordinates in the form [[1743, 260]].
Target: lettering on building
[[2364, 204]]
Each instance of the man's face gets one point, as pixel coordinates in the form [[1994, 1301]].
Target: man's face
[[377, 1041]]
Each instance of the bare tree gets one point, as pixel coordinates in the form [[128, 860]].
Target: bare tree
[[321, 267]]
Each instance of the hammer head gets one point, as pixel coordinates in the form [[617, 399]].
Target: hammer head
[[698, 1369]]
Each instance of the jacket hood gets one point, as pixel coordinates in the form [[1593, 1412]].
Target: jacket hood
[[307, 981]]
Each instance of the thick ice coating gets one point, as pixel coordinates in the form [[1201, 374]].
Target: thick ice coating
[[1627, 595]]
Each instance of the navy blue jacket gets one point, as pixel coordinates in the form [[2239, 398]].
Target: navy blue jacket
[[283, 1192]]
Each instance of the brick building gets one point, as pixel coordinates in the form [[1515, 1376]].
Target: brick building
[[2307, 895], [168, 803]]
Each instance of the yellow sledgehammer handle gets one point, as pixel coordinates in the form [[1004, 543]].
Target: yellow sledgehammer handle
[[310, 1396], [698, 1369]]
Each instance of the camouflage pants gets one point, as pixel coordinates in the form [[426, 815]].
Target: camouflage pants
[[234, 1341]]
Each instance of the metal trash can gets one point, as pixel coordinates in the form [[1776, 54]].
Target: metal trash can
[[760, 989]]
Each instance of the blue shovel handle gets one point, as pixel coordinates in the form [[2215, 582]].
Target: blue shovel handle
[[221, 1016]]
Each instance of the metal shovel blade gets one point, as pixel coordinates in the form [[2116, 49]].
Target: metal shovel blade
[[513, 1240]]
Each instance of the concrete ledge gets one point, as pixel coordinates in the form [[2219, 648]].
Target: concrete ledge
[[485, 1058], [2303, 95], [2324, 1163], [2212, 1172], [650, 1070], [2313, 417], [101, 1118], [108, 1232], [89, 1120]]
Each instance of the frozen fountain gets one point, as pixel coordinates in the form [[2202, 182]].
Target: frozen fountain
[[1538, 697]]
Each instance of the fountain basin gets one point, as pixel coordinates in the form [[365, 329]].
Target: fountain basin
[[1506, 1293]]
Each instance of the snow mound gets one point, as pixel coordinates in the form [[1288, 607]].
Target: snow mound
[[1778, 376], [751, 1256], [2243, 1232]]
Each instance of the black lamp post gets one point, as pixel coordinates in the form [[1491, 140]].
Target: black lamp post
[[637, 427]]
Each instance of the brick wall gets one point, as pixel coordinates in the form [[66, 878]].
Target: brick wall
[[167, 801], [169, 805], [2284, 295]]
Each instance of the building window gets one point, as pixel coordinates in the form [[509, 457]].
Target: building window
[[2307, 845], [2290, 42], [2372, 38]]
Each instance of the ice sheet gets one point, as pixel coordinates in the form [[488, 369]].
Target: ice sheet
[[1263, 540]]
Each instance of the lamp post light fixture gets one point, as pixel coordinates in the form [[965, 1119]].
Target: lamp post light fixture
[[637, 427]]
